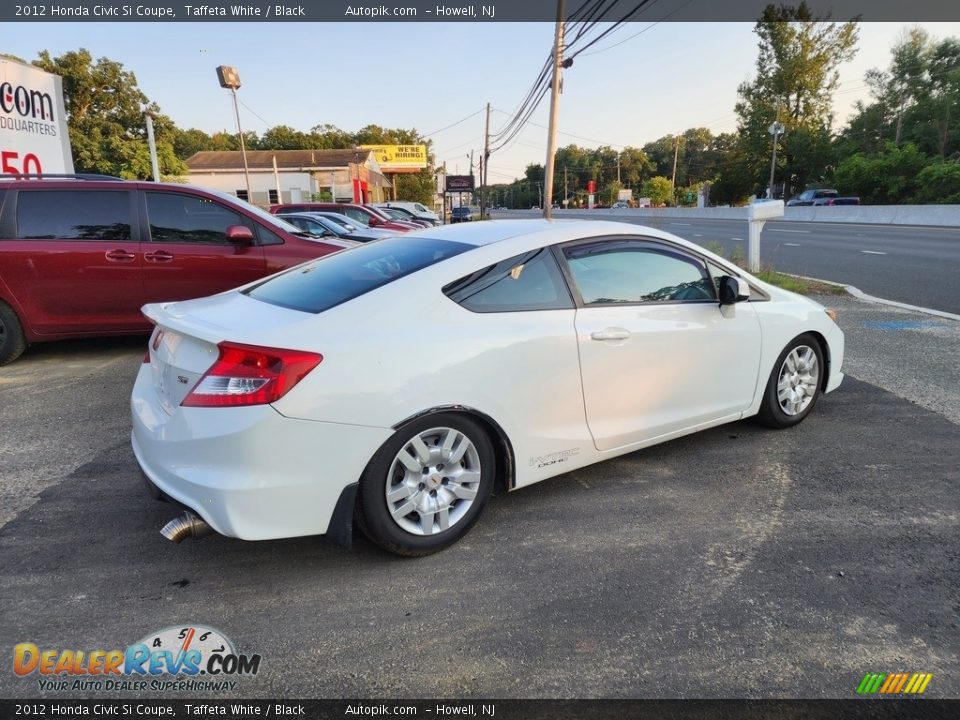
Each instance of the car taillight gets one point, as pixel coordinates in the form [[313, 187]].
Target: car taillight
[[250, 375]]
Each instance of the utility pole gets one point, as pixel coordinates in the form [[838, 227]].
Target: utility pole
[[566, 199], [485, 161], [673, 180], [473, 195], [152, 144], [618, 168], [554, 111]]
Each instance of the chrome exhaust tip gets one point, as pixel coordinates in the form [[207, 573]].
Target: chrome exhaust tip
[[184, 526]]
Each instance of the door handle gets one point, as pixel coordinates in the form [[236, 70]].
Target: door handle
[[610, 334], [119, 255], [158, 256]]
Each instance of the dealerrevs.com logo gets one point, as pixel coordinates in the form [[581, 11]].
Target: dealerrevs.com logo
[[190, 657], [26, 102]]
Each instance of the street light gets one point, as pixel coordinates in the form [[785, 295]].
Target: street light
[[776, 129], [230, 79]]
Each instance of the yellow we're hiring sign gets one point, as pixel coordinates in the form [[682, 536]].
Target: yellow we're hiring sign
[[394, 158]]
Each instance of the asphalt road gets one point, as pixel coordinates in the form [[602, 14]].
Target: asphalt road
[[739, 562], [914, 265]]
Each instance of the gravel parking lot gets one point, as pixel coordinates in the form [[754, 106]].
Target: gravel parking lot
[[739, 562]]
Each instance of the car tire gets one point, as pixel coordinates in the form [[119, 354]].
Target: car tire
[[795, 383], [427, 485], [12, 340]]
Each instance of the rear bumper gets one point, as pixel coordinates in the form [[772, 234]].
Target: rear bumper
[[250, 473]]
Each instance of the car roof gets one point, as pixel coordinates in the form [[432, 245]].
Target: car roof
[[489, 232]]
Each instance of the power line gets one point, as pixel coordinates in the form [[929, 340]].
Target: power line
[[436, 132], [650, 26], [254, 112]]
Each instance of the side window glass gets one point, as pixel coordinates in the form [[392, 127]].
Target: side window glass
[[268, 237], [632, 272], [180, 218], [531, 281], [73, 215], [355, 215]]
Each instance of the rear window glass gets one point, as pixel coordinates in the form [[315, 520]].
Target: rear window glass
[[531, 281], [73, 215], [330, 281]]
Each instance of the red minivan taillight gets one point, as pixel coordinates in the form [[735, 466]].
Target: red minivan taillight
[[250, 375]]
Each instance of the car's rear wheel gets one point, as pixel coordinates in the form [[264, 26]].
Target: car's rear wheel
[[794, 384], [12, 340], [427, 485]]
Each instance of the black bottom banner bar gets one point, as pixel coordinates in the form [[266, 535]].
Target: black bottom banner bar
[[500, 709]]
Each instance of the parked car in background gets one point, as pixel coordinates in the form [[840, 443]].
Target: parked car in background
[[461, 213], [352, 226], [848, 200], [311, 395], [418, 210], [808, 197], [398, 214], [619, 205], [81, 257], [321, 226], [362, 214]]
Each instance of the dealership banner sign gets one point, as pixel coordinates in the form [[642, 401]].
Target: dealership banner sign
[[399, 158], [33, 121]]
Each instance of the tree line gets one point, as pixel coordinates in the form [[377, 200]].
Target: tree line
[[900, 146]]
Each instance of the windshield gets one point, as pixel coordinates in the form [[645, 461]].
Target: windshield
[[342, 220], [261, 214], [325, 283]]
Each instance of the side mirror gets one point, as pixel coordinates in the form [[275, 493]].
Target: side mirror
[[374, 221], [733, 290], [240, 234]]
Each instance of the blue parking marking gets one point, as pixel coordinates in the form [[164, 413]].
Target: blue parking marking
[[901, 324]]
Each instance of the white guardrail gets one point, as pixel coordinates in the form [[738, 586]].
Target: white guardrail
[[932, 215]]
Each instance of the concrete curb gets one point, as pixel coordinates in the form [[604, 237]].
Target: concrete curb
[[860, 295]]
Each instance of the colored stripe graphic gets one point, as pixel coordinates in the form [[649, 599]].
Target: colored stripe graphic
[[890, 682], [903, 680], [870, 683], [894, 683]]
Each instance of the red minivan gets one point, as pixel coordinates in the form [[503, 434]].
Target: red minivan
[[81, 257]]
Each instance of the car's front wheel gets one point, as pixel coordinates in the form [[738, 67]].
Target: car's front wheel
[[427, 484], [794, 384]]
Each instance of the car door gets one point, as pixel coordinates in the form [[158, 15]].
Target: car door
[[658, 354], [188, 254], [75, 263]]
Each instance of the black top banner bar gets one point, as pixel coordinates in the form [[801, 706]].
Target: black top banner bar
[[635, 11], [54, 709]]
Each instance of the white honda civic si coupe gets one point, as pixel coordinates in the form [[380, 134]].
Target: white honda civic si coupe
[[398, 383]]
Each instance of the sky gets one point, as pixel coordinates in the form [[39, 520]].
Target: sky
[[640, 83]]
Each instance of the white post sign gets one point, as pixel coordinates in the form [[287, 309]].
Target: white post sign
[[33, 122]]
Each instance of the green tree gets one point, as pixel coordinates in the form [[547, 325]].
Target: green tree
[[939, 183], [283, 137], [890, 177], [658, 189], [105, 116], [189, 142], [796, 76]]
